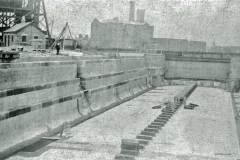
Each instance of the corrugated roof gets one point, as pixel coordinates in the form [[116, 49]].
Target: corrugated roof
[[17, 27]]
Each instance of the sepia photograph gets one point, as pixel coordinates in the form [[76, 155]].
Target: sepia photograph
[[119, 79]]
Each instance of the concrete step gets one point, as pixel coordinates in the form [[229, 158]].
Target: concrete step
[[163, 118], [129, 152], [165, 115], [154, 126], [124, 157], [167, 112], [173, 111], [129, 144], [143, 142], [160, 121], [144, 137], [158, 124], [191, 108], [168, 109], [148, 133], [151, 130]]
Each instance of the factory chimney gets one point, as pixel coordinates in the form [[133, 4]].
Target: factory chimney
[[132, 11], [140, 15]]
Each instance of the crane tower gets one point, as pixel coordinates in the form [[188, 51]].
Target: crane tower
[[12, 12]]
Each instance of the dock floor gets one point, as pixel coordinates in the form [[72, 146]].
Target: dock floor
[[207, 132]]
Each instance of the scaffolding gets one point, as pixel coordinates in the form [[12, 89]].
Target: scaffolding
[[12, 12]]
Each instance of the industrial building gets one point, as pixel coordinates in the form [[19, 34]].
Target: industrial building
[[168, 44], [140, 15], [197, 46], [120, 35], [182, 45], [116, 34], [224, 49], [136, 34]]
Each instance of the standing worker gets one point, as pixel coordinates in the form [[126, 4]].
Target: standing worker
[[58, 47]]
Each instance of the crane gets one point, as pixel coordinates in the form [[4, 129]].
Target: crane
[[61, 35]]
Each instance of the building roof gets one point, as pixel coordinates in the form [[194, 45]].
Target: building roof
[[17, 27], [190, 41], [117, 21], [167, 39]]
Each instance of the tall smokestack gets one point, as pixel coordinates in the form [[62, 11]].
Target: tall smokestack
[[132, 11], [140, 15]]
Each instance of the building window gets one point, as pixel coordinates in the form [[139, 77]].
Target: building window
[[5, 40], [8, 43], [24, 38], [35, 37]]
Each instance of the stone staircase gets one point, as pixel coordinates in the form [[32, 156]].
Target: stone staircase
[[130, 148]]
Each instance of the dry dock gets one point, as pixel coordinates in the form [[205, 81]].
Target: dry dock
[[206, 132]]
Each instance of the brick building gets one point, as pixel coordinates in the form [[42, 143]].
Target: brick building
[[25, 33], [114, 34]]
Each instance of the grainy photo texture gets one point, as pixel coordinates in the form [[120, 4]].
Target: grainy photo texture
[[119, 79]]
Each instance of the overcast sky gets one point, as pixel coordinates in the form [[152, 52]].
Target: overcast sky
[[207, 20]]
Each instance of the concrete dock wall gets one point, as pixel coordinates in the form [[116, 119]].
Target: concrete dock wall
[[28, 74], [39, 98], [197, 68], [35, 98], [111, 80], [234, 77], [157, 67]]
